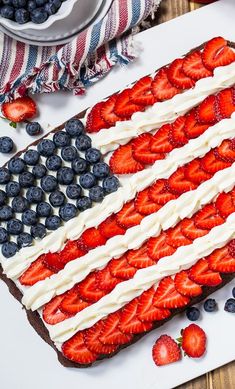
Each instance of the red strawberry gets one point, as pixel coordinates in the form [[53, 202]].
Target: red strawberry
[[109, 227], [76, 350], [124, 106], [185, 286], [194, 341], [167, 296], [105, 280], [160, 142], [71, 251], [128, 216], [92, 238], [211, 164], [224, 204], [141, 150], [221, 261], [91, 337], [208, 217], [111, 333], [72, 303], [158, 247], [177, 135], [226, 102], [89, 289], [95, 122], [165, 351], [122, 161], [144, 204], [178, 183], [176, 238], [194, 68], [141, 92], [37, 271], [107, 111], [177, 76], [162, 89], [146, 310], [51, 311], [129, 322], [207, 111], [217, 53], [195, 173], [20, 109], [231, 248], [53, 262], [139, 258], [190, 230], [202, 275], [120, 268], [226, 151], [159, 192], [193, 128]]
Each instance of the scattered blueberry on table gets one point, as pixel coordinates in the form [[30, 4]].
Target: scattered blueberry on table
[[210, 305], [192, 313]]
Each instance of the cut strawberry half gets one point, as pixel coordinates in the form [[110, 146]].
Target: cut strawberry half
[[144, 204], [178, 183], [20, 109], [225, 205], [177, 135], [165, 351], [76, 350], [177, 76], [194, 67], [194, 341], [105, 280], [95, 122], [37, 271], [159, 192], [226, 102], [190, 230], [160, 142], [111, 333], [162, 89], [176, 238], [120, 268], [130, 323], [72, 303], [141, 150], [51, 312], [221, 261], [146, 310], [202, 275], [207, 111], [141, 92], [53, 262], [123, 162], [185, 286], [128, 216], [208, 217], [226, 151], [217, 53], [109, 227], [167, 296], [89, 289], [211, 164], [139, 258], [193, 128], [71, 251], [107, 111], [195, 173], [92, 238], [158, 247], [93, 343], [124, 106]]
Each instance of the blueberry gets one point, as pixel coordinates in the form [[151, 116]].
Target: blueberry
[[33, 128], [87, 180], [3, 235], [96, 193], [19, 3], [14, 226], [230, 306], [93, 155], [38, 231], [73, 191], [53, 162], [57, 198], [39, 170], [5, 175], [84, 203], [35, 194], [61, 139], [3, 197], [24, 240], [101, 170], [80, 165], [19, 204], [210, 305], [7, 2], [39, 15], [26, 179], [49, 183], [193, 313], [65, 176], [83, 142], [233, 292], [41, 2], [53, 222], [31, 6], [31, 157], [69, 153], [16, 165], [44, 209], [12, 189], [67, 211], [7, 12], [110, 184], [74, 127], [50, 8], [46, 147], [56, 3], [9, 249], [6, 212], [29, 217], [22, 16]]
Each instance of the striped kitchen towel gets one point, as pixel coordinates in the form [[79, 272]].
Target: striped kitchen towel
[[31, 69]]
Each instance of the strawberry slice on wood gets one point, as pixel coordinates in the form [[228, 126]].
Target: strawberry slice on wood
[[37, 271], [76, 350], [130, 323], [160, 142], [162, 88], [194, 341], [176, 238], [222, 261], [93, 343], [226, 102], [217, 53], [212, 164], [123, 162], [109, 227], [20, 109], [194, 67], [141, 150], [159, 247], [146, 311], [51, 311], [141, 92], [191, 231], [178, 183], [208, 217], [139, 258], [111, 333], [208, 111], [144, 204], [95, 122], [202, 275], [160, 193], [185, 286], [177, 76], [165, 351], [107, 111], [167, 296], [177, 134], [226, 151], [124, 106], [225, 205], [120, 268], [128, 216], [92, 238], [193, 128], [72, 303], [195, 173], [89, 289], [105, 280]]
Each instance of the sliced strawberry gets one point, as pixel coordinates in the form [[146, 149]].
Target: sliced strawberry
[[217, 53], [158, 247], [107, 111], [95, 122], [51, 311], [167, 296], [139, 258], [37, 271], [53, 262], [193, 128], [211, 164], [111, 333], [146, 310], [195, 173], [141, 92], [72, 303], [109, 227], [221, 261], [207, 111], [144, 204], [128, 216], [71, 251], [190, 230], [177, 135], [123, 162], [208, 217], [91, 337], [194, 68], [202, 275], [162, 89], [178, 183], [226, 102], [105, 280], [120, 268], [194, 341], [231, 248], [76, 350], [176, 238], [141, 150], [185, 286], [89, 289], [226, 151], [160, 142], [159, 192], [177, 76], [124, 106], [165, 351], [224, 204], [129, 322], [92, 238], [20, 109]]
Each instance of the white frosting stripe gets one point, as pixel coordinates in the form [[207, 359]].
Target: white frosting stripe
[[185, 206], [126, 291]]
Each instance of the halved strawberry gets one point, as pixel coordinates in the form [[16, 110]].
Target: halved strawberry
[[71, 251], [226, 102], [159, 192], [123, 162], [160, 142], [195, 173], [158, 247], [109, 227], [92, 341], [92, 238], [194, 341], [107, 111], [146, 310], [193, 128], [167, 296], [37, 271], [217, 53], [141, 92], [53, 262], [177, 135], [226, 151], [208, 217], [139, 258], [190, 230], [221, 261], [176, 238], [224, 204], [165, 351], [95, 122], [76, 350], [111, 333], [51, 312], [194, 68], [177, 76], [124, 106], [144, 204], [105, 280], [89, 289], [141, 150], [211, 164], [72, 303], [162, 89], [202, 275], [185, 286], [129, 322], [128, 216], [120, 268], [178, 183], [20, 109], [207, 111]]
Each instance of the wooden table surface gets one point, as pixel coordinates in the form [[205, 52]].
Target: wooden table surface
[[223, 378]]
